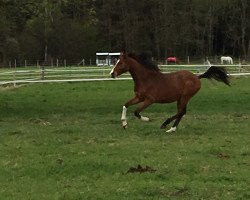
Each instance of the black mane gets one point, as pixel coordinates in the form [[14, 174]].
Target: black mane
[[145, 60]]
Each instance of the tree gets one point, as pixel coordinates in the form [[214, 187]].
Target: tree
[[76, 29]]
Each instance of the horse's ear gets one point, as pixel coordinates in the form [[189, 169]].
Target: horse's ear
[[123, 54]]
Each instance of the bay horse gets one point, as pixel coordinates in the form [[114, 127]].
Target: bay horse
[[153, 86]]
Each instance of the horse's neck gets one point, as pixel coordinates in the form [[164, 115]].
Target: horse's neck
[[140, 75], [136, 70]]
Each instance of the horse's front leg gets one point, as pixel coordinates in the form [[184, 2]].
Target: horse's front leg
[[132, 101]]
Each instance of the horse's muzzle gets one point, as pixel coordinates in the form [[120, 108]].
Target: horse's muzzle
[[113, 75]]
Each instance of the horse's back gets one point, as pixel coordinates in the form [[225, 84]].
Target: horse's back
[[227, 59], [186, 80], [177, 85]]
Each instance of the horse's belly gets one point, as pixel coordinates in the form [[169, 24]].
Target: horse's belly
[[173, 92], [167, 99], [163, 95]]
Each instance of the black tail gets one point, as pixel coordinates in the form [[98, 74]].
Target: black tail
[[217, 73]]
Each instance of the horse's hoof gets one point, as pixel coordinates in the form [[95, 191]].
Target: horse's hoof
[[125, 126], [145, 119], [171, 130]]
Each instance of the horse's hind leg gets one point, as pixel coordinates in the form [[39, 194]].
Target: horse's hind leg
[[168, 121], [177, 121], [181, 105]]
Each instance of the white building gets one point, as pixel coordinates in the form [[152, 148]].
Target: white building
[[106, 59]]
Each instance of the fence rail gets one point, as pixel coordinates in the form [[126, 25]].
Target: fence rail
[[76, 74]]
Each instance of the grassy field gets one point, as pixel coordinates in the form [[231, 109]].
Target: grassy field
[[65, 142]]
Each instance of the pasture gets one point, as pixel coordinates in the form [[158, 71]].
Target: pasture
[[65, 141]]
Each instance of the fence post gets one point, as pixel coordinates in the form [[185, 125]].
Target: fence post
[[14, 75], [188, 60], [57, 62], [64, 62], [240, 67], [42, 74], [82, 62], [15, 63], [37, 63]]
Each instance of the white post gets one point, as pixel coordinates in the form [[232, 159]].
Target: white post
[[14, 75], [240, 68], [57, 62], [42, 74], [188, 60]]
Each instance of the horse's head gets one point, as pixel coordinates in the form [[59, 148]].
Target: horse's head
[[121, 66]]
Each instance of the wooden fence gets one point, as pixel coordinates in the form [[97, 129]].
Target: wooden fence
[[44, 74]]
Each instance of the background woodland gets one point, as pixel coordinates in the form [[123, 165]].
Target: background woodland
[[77, 29]]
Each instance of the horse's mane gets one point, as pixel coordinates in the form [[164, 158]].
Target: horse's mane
[[145, 60]]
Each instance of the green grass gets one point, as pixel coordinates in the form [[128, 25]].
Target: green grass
[[65, 141]]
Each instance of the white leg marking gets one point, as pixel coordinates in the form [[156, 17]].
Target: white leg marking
[[124, 113], [172, 129], [124, 117], [144, 119]]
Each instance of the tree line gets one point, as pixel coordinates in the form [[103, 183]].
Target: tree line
[[77, 29]]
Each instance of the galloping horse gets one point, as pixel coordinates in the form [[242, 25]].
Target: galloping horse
[[227, 59], [152, 86]]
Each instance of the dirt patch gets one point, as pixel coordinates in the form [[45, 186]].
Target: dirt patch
[[10, 86], [223, 156], [59, 161], [40, 121], [140, 169], [179, 192]]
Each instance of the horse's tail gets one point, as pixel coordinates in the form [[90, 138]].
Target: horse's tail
[[217, 73]]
